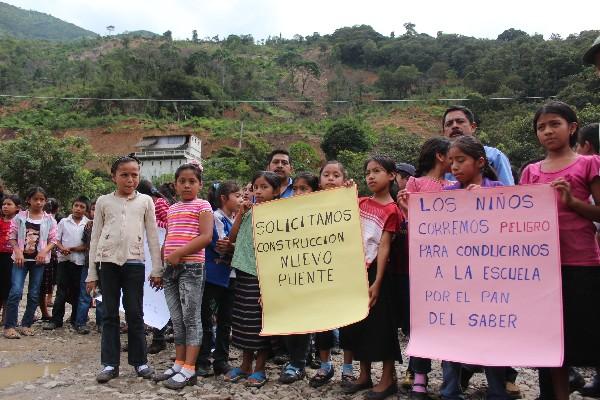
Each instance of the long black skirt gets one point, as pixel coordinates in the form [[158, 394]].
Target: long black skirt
[[581, 299], [375, 338]]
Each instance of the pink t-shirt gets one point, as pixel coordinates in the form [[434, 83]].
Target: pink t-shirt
[[425, 184], [184, 225], [578, 245], [376, 218]]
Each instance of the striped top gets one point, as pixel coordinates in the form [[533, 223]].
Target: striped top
[[183, 220]]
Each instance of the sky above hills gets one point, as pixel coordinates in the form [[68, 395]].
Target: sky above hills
[[261, 18]]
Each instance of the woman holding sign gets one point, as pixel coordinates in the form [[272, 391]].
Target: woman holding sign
[[376, 337], [575, 178]]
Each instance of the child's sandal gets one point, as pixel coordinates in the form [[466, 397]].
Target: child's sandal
[[235, 375], [256, 380], [27, 331], [11, 333]]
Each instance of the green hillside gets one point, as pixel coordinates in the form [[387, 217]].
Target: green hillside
[[26, 24]]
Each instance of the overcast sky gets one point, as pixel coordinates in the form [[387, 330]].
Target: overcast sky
[[262, 18]]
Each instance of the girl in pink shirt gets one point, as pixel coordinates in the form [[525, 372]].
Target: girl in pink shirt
[[575, 178]]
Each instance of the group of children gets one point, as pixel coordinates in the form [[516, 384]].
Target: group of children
[[207, 266]]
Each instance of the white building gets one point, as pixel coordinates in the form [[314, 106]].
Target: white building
[[160, 155]]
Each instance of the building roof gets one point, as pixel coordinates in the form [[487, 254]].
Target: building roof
[[155, 143]]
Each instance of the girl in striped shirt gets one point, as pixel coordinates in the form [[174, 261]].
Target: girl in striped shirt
[[189, 231]]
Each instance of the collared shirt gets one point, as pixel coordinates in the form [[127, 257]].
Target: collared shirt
[[70, 234], [499, 162], [289, 190]]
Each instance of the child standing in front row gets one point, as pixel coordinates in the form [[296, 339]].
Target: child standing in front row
[[432, 165], [575, 178], [189, 231], [472, 170], [121, 221], [332, 175], [376, 337], [32, 237], [247, 311], [10, 208]]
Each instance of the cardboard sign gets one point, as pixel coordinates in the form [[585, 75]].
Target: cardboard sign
[[310, 262], [485, 276]]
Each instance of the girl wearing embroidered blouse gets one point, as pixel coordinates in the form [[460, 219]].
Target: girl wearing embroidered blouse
[[575, 178]]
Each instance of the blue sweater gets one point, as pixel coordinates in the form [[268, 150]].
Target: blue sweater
[[218, 268]]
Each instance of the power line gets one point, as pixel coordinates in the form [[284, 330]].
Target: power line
[[15, 96]]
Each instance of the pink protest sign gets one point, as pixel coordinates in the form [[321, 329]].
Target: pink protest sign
[[485, 281]]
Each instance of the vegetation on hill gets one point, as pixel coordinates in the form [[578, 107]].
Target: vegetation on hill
[[28, 24], [298, 88]]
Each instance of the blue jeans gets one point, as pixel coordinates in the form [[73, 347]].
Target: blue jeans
[[451, 390], [184, 287], [36, 273], [85, 301]]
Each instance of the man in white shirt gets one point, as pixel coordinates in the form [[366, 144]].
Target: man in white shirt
[[71, 261]]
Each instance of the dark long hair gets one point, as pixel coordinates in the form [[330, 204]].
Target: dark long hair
[[427, 155], [561, 109], [472, 147]]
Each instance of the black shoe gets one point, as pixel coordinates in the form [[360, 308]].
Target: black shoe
[[221, 368], [281, 359], [82, 330], [145, 373], [390, 390], [204, 371], [174, 385], [107, 374], [291, 374], [351, 388], [590, 390], [156, 347], [50, 326]]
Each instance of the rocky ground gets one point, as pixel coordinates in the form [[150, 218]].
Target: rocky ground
[[74, 359]]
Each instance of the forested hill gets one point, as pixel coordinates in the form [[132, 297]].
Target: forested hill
[[27, 24], [244, 95]]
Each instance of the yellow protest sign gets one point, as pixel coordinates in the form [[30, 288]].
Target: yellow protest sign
[[310, 262]]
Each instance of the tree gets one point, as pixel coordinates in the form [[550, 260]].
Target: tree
[[304, 157], [110, 29], [168, 36], [345, 134], [410, 29], [38, 158], [195, 36]]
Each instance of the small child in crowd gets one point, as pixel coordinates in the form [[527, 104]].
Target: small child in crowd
[[10, 208]]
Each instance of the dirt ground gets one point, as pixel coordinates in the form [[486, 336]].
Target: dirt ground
[[62, 364]]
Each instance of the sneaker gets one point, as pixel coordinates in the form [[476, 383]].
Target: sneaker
[[203, 371], [590, 390], [144, 371], [291, 374], [408, 379], [82, 329], [50, 326], [107, 374]]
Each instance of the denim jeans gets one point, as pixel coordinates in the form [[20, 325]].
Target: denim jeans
[[68, 279], [184, 285], [451, 390], [223, 300], [84, 303], [130, 279], [36, 273]]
